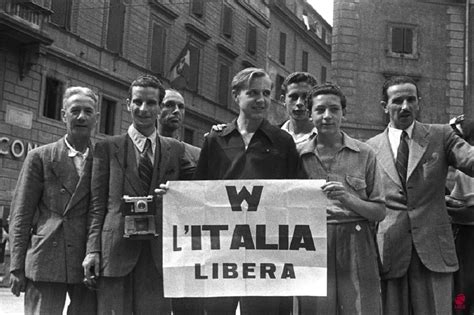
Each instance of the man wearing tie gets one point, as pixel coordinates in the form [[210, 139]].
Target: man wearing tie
[[133, 164], [415, 240]]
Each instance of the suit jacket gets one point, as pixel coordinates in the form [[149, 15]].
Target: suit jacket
[[114, 174], [419, 216], [49, 216]]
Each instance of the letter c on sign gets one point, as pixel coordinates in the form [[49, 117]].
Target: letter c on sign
[[2, 141], [17, 148]]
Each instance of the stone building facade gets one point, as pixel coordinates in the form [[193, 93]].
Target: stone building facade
[[426, 40], [299, 40]]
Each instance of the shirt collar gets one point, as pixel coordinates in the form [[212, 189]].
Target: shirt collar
[[71, 152], [139, 140], [308, 136], [347, 142], [397, 132], [265, 127]]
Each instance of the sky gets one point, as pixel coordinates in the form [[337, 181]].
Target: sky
[[324, 8]]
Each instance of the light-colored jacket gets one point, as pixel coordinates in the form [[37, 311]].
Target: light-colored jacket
[[49, 216], [420, 217]]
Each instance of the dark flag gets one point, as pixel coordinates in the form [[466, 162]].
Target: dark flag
[[180, 70]]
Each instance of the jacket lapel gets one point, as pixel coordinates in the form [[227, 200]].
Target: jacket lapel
[[386, 158], [417, 147], [63, 167], [163, 161], [128, 163]]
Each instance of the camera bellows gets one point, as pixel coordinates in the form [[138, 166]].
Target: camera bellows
[[145, 168]]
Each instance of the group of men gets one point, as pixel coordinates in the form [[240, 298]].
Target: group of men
[[66, 221]]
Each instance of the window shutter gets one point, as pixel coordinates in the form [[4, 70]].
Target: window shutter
[[397, 40], [115, 26], [158, 49], [61, 13], [282, 48], [304, 65], [408, 41], [227, 22], [252, 39], [194, 68], [198, 7], [223, 93]]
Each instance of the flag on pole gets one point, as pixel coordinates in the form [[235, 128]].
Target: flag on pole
[[180, 70]]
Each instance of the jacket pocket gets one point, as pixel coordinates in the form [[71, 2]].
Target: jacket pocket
[[446, 244]]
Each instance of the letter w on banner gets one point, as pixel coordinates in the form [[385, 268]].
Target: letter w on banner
[[244, 238]]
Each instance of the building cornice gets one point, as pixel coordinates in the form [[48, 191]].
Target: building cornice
[[259, 16], [169, 13]]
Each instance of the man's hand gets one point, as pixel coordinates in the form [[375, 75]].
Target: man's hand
[[91, 265], [163, 188], [217, 128], [17, 282], [336, 191]]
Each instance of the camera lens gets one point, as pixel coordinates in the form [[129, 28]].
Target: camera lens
[[141, 205]]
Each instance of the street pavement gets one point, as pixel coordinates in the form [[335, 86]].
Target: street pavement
[[10, 304]]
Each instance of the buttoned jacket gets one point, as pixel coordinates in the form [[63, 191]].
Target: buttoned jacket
[[49, 216], [419, 216], [115, 174]]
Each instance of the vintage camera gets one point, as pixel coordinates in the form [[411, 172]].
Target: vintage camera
[[139, 214]]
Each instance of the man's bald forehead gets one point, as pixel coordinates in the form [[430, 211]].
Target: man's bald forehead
[[173, 95]]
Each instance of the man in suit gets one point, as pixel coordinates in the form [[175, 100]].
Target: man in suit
[[130, 270], [415, 239], [171, 120], [49, 215]]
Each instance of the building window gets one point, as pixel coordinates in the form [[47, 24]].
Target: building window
[[223, 85], [251, 39], [53, 98], [323, 74], [227, 21], [115, 26], [278, 83], [188, 136], [323, 35], [158, 49], [61, 13], [108, 110], [197, 7], [402, 41], [304, 61], [282, 56]]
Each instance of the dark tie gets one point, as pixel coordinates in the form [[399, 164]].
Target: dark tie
[[145, 168], [402, 159]]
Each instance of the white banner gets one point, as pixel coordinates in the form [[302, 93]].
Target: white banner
[[244, 238]]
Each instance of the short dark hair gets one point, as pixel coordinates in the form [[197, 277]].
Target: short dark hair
[[148, 80], [325, 88], [297, 77], [396, 81]]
